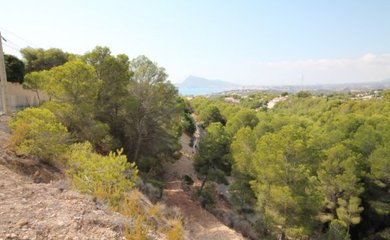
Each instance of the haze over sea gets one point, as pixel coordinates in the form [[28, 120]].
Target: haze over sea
[[190, 91]]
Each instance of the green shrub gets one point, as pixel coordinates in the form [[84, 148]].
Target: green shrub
[[156, 183], [80, 121], [205, 197], [189, 124], [93, 173], [303, 94], [337, 231], [37, 132]]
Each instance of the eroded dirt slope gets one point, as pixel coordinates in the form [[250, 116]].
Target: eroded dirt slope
[[31, 210]]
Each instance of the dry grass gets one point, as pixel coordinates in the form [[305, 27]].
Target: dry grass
[[177, 230], [148, 217], [140, 230]]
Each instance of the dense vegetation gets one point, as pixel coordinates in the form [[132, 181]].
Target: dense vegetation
[[14, 69], [312, 167], [107, 120], [112, 102]]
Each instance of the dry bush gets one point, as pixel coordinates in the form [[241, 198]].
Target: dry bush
[[37, 132], [176, 232]]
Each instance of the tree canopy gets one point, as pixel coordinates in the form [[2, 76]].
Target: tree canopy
[[38, 59], [14, 68], [313, 166]]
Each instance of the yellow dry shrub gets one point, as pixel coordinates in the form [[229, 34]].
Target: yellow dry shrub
[[176, 232], [140, 230], [156, 211], [112, 179], [130, 204], [108, 177], [37, 132]]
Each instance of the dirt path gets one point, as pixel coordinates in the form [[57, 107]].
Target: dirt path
[[202, 224], [32, 206]]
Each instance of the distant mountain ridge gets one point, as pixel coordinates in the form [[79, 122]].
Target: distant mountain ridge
[[198, 82], [194, 86]]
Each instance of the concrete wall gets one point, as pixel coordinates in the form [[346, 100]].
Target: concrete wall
[[19, 98]]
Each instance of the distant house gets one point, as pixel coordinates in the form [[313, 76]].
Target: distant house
[[274, 101], [231, 100]]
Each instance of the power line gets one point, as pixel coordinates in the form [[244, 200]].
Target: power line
[[12, 47], [21, 38], [13, 44]]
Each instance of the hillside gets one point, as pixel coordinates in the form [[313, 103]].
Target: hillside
[[201, 224], [37, 203]]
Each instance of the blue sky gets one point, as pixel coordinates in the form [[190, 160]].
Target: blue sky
[[247, 42]]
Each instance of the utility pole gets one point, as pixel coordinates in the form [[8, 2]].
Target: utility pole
[[3, 78]]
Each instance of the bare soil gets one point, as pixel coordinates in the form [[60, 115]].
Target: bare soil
[[36, 203]]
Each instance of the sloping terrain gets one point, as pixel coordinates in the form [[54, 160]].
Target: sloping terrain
[[48, 211], [35, 203], [200, 223]]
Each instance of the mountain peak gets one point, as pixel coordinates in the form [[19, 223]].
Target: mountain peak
[[199, 82]]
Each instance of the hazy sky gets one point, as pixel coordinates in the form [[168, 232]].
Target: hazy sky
[[247, 42]]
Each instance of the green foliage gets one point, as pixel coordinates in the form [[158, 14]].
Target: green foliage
[[303, 94], [244, 118], [311, 162], [337, 231], [80, 121], [386, 94], [74, 82], [37, 132], [38, 59], [14, 69], [205, 196], [112, 178], [35, 81], [141, 108], [98, 58], [151, 115], [380, 164], [73, 88], [189, 124], [339, 183], [213, 160], [257, 101], [111, 103], [211, 114], [243, 197], [365, 139], [156, 183], [349, 211], [91, 171], [282, 180], [242, 149]]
